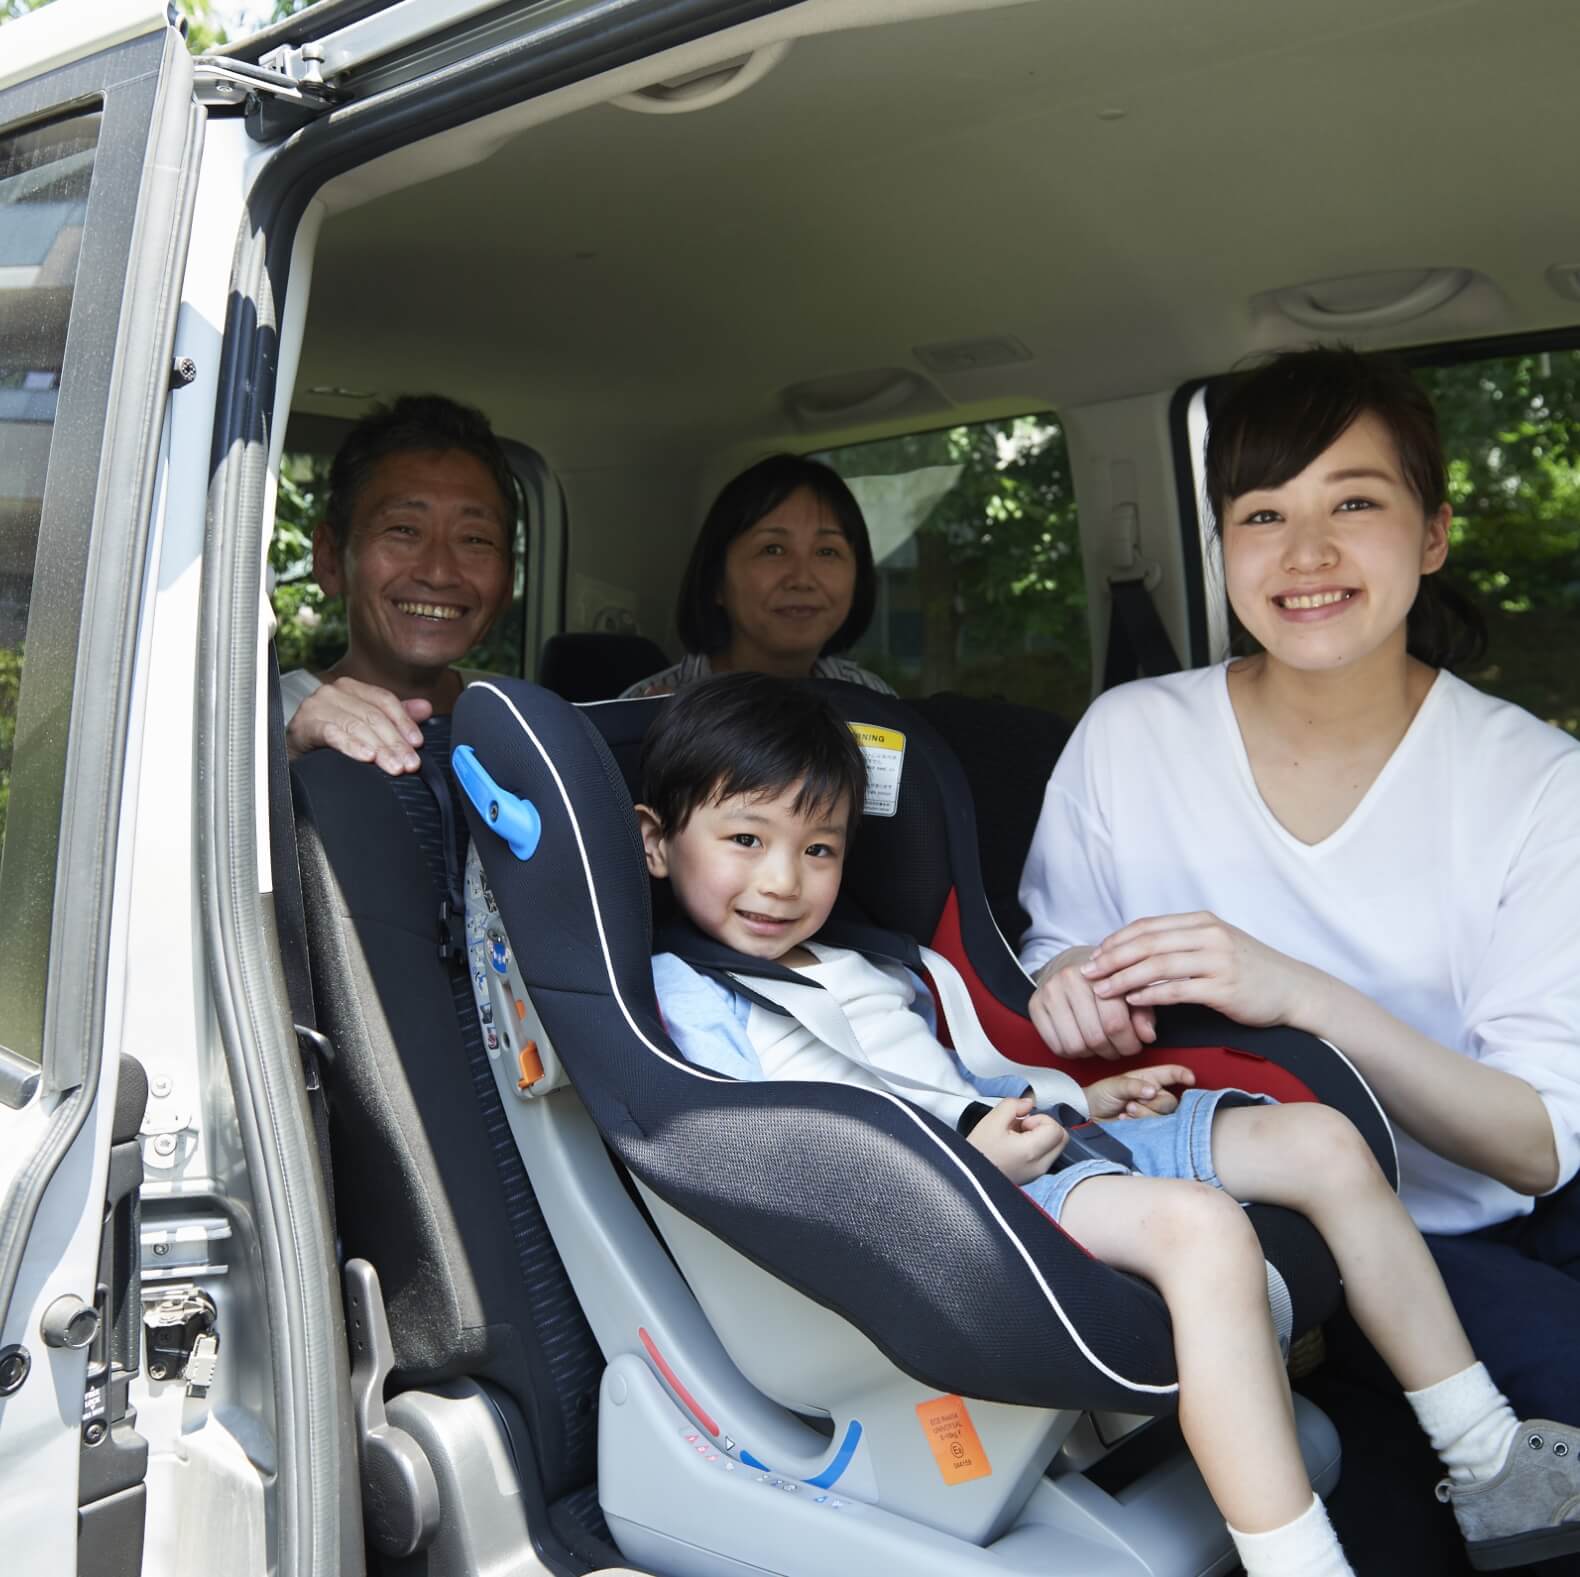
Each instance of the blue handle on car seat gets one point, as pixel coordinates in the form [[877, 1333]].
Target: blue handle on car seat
[[516, 820]]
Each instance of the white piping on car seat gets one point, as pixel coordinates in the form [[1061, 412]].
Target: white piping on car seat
[[712, 1078]]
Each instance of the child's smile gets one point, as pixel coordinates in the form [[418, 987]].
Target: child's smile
[[753, 871]]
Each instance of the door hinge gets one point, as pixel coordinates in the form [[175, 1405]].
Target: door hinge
[[276, 102]]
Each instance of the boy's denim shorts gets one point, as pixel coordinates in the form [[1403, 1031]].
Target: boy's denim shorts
[[1176, 1146]]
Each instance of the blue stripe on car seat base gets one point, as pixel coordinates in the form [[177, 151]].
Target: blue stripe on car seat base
[[751, 1461], [847, 1449], [516, 820]]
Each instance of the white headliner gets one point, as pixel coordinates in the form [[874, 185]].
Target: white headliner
[[608, 284]]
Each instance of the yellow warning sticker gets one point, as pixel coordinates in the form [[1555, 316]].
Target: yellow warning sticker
[[884, 750], [957, 1447]]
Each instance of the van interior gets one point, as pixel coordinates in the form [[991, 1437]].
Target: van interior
[[941, 243]]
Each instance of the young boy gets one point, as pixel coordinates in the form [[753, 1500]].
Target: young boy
[[752, 788]]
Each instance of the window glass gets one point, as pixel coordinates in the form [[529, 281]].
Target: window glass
[[980, 587], [310, 627], [44, 177], [1511, 429]]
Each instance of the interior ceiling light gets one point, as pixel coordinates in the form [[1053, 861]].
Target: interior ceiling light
[[1369, 300], [1565, 279], [707, 86]]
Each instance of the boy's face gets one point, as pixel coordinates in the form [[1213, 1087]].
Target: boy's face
[[751, 872]]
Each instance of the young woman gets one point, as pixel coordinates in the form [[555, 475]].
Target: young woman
[[1337, 834], [780, 581]]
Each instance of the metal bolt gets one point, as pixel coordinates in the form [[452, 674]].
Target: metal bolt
[[160, 1085], [15, 1362], [156, 1371], [161, 1249], [165, 1144], [94, 1432]]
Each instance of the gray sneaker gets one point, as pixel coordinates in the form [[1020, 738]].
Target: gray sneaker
[[1530, 1510]]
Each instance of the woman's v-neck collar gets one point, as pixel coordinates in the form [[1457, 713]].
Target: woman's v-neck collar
[[1341, 833]]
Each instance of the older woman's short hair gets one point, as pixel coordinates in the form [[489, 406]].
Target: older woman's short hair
[[703, 624]]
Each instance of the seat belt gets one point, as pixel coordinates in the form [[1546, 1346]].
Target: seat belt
[[817, 1010], [290, 924], [1138, 645]]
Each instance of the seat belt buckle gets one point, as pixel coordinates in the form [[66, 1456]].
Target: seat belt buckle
[[1087, 1141]]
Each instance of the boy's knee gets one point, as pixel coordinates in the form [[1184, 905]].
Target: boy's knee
[[1207, 1226], [1321, 1144]]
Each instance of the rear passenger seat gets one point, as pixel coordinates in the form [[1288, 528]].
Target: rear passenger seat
[[429, 1187]]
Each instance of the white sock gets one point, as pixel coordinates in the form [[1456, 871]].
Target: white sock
[[1469, 1422], [1306, 1547]]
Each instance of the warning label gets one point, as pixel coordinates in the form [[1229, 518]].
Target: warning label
[[957, 1447], [884, 749]]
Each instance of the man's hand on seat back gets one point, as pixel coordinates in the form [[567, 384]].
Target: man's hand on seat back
[[363, 721]]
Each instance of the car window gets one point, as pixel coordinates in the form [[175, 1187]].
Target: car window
[[44, 177], [980, 586], [1511, 429], [310, 627]]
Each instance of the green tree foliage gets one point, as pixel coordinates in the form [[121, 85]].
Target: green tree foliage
[[989, 595], [1511, 428]]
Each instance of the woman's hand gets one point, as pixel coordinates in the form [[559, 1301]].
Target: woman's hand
[[1019, 1140], [1139, 1094], [1077, 1022], [1199, 958]]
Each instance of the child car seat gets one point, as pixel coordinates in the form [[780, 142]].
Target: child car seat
[[858, 1225]]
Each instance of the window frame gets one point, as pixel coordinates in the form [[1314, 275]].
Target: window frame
[[55, 871]]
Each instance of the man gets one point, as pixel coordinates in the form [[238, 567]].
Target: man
[[419, 540]]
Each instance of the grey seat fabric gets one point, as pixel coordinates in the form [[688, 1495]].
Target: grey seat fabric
[[430, 1188]]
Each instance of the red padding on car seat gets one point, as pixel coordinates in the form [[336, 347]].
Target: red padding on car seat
[[1215, 1067]]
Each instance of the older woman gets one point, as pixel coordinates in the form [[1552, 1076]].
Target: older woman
[[780, 581]]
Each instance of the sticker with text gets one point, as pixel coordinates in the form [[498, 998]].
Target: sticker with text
[[884, 749], [957, 1447]]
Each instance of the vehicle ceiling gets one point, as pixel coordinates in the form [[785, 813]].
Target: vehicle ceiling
[[654, 282]]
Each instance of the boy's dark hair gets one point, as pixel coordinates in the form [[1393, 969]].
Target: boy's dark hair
[[1267, 424], [702, 624], [415, 423], [748, 733]]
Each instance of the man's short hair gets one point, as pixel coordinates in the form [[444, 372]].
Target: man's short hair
[[414, 423], [748, 733]]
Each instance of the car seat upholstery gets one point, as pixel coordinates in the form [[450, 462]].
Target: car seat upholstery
[[597, 665], [1007, 752], [487, 1333], [841, 1219]]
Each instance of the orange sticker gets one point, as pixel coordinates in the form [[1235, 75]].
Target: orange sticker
[[954, 1439], [530, 1065]]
